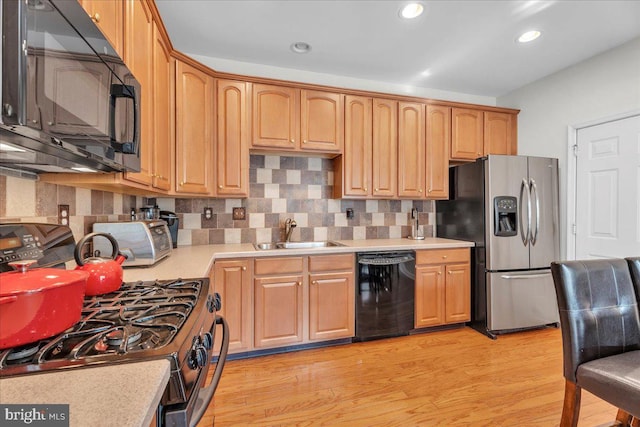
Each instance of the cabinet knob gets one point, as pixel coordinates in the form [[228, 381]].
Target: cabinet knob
[[444, 257], [439, 273], [95, 17], [244, 268], [450, 272], [479, 154], [429, 190], [181, 183], [50, 123], [365, 188], [220, 187], [299, 283], [304, 141], [293, 140], [420, 190], [315, 282], [377, 189]]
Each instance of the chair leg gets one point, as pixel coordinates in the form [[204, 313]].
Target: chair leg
[[571, 408], [623, 418]]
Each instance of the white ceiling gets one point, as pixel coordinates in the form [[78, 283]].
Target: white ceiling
[[459, 46]]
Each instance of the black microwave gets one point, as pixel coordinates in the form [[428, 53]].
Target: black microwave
[[69, 103]]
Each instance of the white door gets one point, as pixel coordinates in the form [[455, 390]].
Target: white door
[[608, 190]]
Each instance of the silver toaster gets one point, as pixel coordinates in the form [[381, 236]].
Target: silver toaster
[[143, 242]]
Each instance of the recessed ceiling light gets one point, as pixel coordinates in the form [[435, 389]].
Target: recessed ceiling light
[[529, 36], [300, 47], [411, 10]]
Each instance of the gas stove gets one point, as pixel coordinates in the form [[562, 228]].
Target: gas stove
[[143, 320]]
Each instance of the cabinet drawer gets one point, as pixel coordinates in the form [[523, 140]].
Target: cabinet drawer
[[331, 262], [442, 256], [278, 265]]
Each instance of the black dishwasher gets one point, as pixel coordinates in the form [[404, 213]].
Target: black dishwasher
[[385, 293]]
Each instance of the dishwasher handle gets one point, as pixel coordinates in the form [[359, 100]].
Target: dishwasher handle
[[386, 260]]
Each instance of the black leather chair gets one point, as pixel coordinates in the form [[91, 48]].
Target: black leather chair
[[634, 266], [600, 323]]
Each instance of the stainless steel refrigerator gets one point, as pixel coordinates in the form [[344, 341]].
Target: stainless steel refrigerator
[[508, 206]]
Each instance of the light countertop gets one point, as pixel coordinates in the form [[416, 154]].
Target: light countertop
[[121, 395], [196, 261]]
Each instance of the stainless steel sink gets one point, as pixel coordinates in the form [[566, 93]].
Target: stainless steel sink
[[296, 245]]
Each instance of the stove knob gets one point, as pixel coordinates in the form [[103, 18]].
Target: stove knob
[[214, 303], [218, 301], [207, 340], [198, 357]]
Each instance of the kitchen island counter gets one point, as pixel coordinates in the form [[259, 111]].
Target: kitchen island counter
[[122, 395], [196, 261]]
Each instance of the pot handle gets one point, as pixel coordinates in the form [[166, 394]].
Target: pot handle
[[114, 243], [8, 299]]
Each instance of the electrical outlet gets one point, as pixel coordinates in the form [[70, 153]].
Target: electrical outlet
[[239, 214], [208, 213], [63, 214], [349, 213]]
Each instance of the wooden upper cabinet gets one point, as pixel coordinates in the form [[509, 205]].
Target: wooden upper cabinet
[[275, 117], [466, 134], [411, 149], [321, 121], [138, 56], [194, 130], [438, 142], [385, 148], [109, 16], [499, 133], [232, 148], [355, 177], [163, 108], [291, 119]]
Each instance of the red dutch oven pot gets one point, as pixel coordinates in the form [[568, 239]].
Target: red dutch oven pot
[[37, 304], [105, 274]]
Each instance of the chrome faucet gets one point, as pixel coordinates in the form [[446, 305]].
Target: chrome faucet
[[289, 225]]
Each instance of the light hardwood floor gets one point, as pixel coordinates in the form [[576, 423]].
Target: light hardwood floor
[[448, 378]]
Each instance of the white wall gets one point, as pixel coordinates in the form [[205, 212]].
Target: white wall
[[267, 71], [600, 87]]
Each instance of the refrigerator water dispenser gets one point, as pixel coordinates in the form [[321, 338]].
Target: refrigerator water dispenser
[[505, 211]]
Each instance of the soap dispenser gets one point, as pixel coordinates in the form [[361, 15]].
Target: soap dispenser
[[415, 226]]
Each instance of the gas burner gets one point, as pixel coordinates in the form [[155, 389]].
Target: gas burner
[[116, 337], [23, 352]]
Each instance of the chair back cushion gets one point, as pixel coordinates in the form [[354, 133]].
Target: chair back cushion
[[598, 310], [634, 266]]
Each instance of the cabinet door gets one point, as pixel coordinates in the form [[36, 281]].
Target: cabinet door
[[466, 134], [278, 311], [458, 293], [232, 149], [385, 148], [331, 306], [438, 141], [162, 105], [138, 55], [194, 130], [232, 280], [356, 162], [275, 117], [108, 15], [411, 149], [498, 133], [321, 121], [429, 303]]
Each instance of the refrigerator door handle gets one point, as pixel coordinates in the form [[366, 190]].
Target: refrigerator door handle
[[533, 189], [524, 276], [525, 236]]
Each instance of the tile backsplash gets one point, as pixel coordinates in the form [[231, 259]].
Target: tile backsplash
[[280, 187]]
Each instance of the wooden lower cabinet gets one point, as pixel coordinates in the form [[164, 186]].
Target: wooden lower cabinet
[[443, 287], [281, 301], [232, 280], [278, 311], [331, 297]]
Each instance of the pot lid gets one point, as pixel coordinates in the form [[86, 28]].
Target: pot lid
[[24, 280]]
